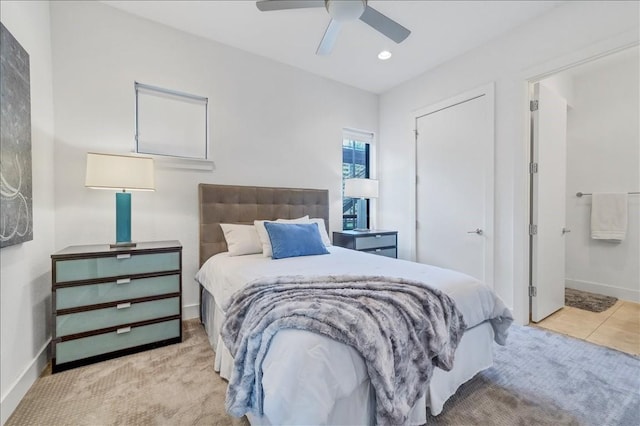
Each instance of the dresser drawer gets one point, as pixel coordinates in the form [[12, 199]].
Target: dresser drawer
[[375, 241], [389, 252], [127, 313], [85, 347], [83, 295], [120, 265]]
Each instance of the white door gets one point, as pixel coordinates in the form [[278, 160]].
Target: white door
[[454, 185], [548, 202]]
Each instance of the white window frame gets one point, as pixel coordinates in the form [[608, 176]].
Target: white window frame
[[170, 157], [369, 139]]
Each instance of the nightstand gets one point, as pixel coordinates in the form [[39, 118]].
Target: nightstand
[[109, 302], [384, 243]]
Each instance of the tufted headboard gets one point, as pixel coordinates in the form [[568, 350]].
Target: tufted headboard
[[244, 204]]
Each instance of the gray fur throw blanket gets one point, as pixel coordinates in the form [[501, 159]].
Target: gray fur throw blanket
[[401, 328]]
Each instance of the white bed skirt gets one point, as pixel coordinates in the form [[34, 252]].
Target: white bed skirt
[[474, 354]]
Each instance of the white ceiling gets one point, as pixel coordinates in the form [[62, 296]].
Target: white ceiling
[[440, 31]]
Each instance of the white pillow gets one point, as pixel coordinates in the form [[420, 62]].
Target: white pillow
[[264, 235], [241, 239], [323, 230]]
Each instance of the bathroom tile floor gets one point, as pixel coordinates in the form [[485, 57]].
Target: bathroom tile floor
[[618, 327]]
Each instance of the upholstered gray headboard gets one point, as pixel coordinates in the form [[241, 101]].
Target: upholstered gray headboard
[[244, 204]]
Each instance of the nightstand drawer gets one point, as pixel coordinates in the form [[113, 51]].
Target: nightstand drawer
[[389, 252], [380, 242], [124, 313], [375, 241], [82, 295], [128, 337], [120, 265]]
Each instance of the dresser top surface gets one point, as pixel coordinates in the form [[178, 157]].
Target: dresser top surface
[[367, 233], [107, 249]]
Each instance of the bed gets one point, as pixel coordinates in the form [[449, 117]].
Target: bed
[[308, 378]]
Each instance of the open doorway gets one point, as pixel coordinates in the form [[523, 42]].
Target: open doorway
[[602, 155]]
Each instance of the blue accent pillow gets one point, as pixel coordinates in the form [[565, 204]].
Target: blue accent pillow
[[295, 239]]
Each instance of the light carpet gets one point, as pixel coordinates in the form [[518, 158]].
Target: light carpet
[[544, 378], [172, 385], [539, 378]]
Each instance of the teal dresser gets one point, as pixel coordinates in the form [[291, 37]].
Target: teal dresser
[[109, 302]]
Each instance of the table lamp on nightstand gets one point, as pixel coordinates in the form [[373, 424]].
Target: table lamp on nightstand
[[122, 173], [363, 189]]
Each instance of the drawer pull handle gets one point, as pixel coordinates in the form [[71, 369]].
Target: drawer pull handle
[[123, 305], [123, 330], [123, 256], [378, 249], [123, 281], [378, 236]]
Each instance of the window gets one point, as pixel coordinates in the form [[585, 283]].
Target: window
[[355, 164], [171, 123]]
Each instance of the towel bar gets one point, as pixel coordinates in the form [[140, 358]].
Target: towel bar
[[580, 194]]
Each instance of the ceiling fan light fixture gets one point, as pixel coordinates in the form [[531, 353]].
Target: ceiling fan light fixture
[[342, 11], [345, 10], [384, 55]]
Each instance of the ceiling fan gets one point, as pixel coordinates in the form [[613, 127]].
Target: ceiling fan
[[341, 11]]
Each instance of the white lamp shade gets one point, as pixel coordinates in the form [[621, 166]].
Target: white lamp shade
[[120, 172], [361, 188]]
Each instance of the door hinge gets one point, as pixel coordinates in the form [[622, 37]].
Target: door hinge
[[533, 292], [533, 168], [533, 229], [417, 224], [533, 106], [417, 179], [415, 131]]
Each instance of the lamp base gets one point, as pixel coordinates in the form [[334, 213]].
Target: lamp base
[[122, 245], [123, 218]]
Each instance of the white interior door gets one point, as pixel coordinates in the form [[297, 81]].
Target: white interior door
[[549, 125], [454, 186]]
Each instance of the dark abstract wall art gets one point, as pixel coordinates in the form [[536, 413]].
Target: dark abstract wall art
[[16, 202]]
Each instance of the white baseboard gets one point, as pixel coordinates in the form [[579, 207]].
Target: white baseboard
[[607, 290], [19, 388], [190, 311]]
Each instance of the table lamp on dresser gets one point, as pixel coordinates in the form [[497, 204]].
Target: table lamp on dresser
[[121, 173]]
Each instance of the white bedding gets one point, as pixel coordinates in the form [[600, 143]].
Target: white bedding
[[309, 378]]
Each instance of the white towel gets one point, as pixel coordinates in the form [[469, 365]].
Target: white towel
[[609, 216]]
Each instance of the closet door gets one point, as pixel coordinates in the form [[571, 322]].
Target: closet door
[[454, 185]]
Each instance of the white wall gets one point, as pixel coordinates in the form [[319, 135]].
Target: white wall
[[562, 84], [271, 124], [25, 283], [566, 33], [603, 155]]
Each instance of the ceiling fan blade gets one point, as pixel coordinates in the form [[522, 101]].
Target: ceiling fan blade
[[329, 38], [385, 25], [267, 5]]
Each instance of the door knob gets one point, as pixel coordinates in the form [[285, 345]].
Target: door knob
[[477, 231], [565, 231]]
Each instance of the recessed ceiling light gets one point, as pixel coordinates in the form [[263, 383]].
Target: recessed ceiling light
[[384, 55]]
